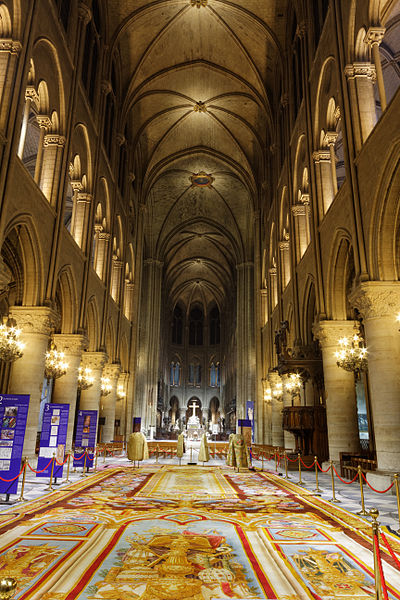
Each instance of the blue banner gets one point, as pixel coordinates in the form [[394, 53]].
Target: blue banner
[[53, 438], [85, 438], [13, 416]]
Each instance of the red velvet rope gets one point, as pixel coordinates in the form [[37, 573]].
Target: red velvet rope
[[88, 457], [343, 480], [60, 464], [321, 469], [79, 457], [373, 489], [305, 466], [46, 467], [392, 554], [14, 478], [291, 459], [378, 555]]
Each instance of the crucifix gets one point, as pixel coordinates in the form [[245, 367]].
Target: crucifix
[[194, 406]]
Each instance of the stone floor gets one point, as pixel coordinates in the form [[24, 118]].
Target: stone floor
[[348, 495]]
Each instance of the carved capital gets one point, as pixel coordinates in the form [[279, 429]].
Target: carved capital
[[377, 299], [94, 360], [273, 271], [10, 46], [284, 245], [374, 35], [31, 94], [112, 371], [104, 235], [35, 319], [330, 138], [76, 185], [329, 332], [321, 156], [120, 139], [71, 344], [43, 121], [105, 87], [84, 13], [360, 69], [54, 139], [118, 264], [84, 197]]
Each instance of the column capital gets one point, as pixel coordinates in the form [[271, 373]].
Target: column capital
[[84, 197], [120, 139], [374, 35], [72, 344], [84, 13], [245, 265], [11, 46], [43, 121], [321, 155], [94, 360], [112, 370], [54, 139], [263, 293], [330, 138], [298, 210], [35, 319], [377, 299], [360, 69], [104, 235], [105, 87], [329, 332], [284, 245], [31, 94]]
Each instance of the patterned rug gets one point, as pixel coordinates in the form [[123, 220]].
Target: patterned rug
[[188, 533]]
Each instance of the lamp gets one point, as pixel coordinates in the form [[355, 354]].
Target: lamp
[[293, 385], [352, 353], [10, 346], [85, 378], [106, 386], [55, 366], [121, 392], [277, 392]]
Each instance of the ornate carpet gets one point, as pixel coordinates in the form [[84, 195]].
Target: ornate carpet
[[188, 533]]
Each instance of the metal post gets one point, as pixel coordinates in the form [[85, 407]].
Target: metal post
[[286, 466], [21, 498], [317, 488], [68, 466], [374, 513], [105, 452], [333, 499], [50, 488], [157, 451], [362, 511], [396, 485], [276, 461], [300, 482], [84, 465], [262, 461], [7, 587], [95, 460]]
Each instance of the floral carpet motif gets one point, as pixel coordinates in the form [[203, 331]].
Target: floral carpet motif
[[188, 533]]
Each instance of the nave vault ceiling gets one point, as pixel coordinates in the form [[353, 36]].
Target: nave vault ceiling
[[198, 87]]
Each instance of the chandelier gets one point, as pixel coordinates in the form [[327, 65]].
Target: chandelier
[[85, 378], [293, 385], [121, 394], [55, 365], [10, 346], [277, 392], [106, 386], [352, 354], [268, 395]]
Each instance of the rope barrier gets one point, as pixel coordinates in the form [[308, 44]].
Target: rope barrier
[[390, 550], [373, 489], [291, 459], [60, 464], [379, 559], [323, 470], [79, 457], [343, 480], [88, 457], [305, 466], [42, 471], [14, 478]]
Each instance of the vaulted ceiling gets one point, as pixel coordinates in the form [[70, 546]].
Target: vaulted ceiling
[[200, 79]]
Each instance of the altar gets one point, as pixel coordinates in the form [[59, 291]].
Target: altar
[[194, 429]]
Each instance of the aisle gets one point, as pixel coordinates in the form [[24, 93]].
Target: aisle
[[194, 533]]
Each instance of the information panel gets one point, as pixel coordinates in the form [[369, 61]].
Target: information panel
[[53, 438], [85, 439], [13, 416]]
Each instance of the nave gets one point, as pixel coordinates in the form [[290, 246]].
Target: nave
[[167, 532]]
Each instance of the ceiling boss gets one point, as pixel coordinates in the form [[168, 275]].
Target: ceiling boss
[[198, 3], [202, 179]]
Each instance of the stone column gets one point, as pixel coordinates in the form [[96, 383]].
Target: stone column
[[289, 438], [53, 146], [246, 351], [31, 95], [107, 403], [27, 373], [322, 159], [341, 406], [379, 303], [80, 223], [9, 57], [374, 37], [120, 407], [66, 387], [276, 412], [90, 398], [116, 279], [102, 253], [361, 77], [330, 140], [44, 124], [128, 300]]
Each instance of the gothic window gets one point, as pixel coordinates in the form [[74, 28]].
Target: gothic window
[[175, 374], [214, 326], [214, 374], [195, 374], [196, 327], [177, 326]]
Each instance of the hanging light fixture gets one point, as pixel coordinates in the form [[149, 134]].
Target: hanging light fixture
[[277, 392], [294, 383], [11, 347], [106, 386], [55, 365], [352, 353], [85, 378], [121, 394]]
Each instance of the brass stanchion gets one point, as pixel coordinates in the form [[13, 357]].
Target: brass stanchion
[[276, 461], [50, 488], [317, 488], [300, 482], [262, 461], [21, 497], [105, 452], [84, 465], [333, 499], [68, 467], [95, 460], [157, 451], [286, 465], [7, 587], [362, 511], [396, 487], [374, 513]]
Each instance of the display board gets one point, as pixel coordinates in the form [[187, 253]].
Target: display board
[[250, 416], [136, 424], [53, 439], [85, 437], [13, 416]]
